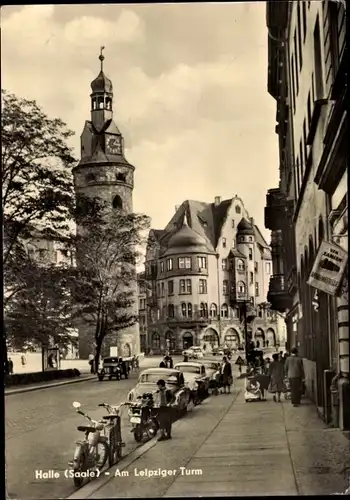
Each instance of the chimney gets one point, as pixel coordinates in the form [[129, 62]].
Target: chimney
[[217, 201], [252, 221], [177, 208]]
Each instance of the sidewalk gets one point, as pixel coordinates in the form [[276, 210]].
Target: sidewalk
[[47, 385], [228, 447]]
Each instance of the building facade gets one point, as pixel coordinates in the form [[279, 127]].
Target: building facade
[[103, 172], [307, 78], [208, 266]]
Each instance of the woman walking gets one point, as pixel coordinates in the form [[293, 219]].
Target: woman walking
[[276, 372]]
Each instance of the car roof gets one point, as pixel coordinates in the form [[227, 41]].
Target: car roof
[[188, 363], [160, 371]]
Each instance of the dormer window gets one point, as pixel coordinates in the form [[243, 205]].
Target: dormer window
[[238, 209], [224, 242]]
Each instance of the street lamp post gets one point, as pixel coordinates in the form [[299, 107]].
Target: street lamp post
[[246, 331]]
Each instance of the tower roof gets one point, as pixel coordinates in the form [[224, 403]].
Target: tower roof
[[245, 228], [185, 239], [102, 83]]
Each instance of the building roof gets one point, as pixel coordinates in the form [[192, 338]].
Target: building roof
[[102, 84], [236, 253], [204, 223], [244, 227]]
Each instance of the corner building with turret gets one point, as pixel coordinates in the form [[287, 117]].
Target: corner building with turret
[[103, 172], [208, 265]]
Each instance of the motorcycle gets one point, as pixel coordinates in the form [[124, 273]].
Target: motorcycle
[[142, 418]]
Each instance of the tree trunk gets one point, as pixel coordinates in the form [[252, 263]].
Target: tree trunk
[[5, 360], [98, 352]]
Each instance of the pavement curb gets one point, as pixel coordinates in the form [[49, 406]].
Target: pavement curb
[[12, 392], [90, 488]]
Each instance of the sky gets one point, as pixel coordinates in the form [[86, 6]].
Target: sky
[[190, 92]]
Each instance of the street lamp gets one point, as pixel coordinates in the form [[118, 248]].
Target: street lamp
[[243, 302]]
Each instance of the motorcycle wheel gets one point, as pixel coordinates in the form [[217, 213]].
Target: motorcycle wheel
[[115, 454], [102, 453], [138, 434], [79, 467]]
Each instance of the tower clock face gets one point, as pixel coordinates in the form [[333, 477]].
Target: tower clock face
[[113, 145]]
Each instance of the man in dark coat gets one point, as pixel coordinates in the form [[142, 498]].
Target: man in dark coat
[[165, 411], [294, 370], [226, 375]]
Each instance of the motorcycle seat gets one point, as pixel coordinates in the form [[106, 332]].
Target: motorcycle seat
[[110, 417], [83, 428]]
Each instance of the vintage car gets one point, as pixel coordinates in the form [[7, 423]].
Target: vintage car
[[113, 367], [194, 352], [195, 378], [174, 380], [212, 369], [217, 351]]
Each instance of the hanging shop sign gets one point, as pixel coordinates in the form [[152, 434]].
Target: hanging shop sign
[[328, 269]]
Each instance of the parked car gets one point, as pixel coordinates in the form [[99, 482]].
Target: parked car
[[194, 352], [212, 369], [113, 367], [217, 351], [196, 379], [174, 380]]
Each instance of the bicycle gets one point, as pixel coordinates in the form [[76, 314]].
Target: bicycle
[[114, 433], [86, 455]]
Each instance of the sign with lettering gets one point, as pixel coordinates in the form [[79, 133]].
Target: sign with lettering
[[328, 269]]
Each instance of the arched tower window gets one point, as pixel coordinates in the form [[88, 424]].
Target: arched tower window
[[90, 178], [94, 104], [108, 103], [117, 203], [238, 209], [121, 177], [240, 265]]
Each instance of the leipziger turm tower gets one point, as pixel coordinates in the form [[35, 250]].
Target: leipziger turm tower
[[103, 172]]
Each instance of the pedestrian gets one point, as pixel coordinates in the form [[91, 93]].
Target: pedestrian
[[162, 364], [226, 375], [276, 373], [91, 363], [165, 411], [185, 358], [23, 360], [294, 370], [10, 366]]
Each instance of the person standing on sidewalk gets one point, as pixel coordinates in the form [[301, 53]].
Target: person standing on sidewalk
[[165, 411], [276, 373], [226, 374], [91, 363], [294, 370]]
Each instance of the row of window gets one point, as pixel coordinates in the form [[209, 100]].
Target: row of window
[[186, 263], [187, 311], [183, 263], [185, 287], [93, 177]]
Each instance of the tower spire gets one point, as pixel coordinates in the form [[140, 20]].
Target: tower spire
[[101, 56]]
